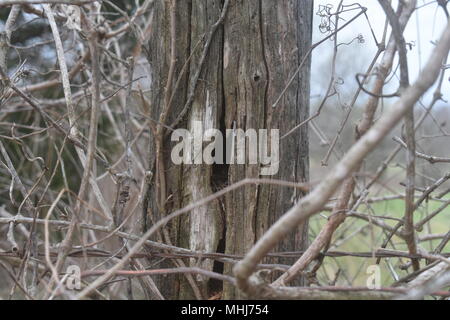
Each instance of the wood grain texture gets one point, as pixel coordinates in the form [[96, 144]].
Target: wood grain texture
[[251, 58]]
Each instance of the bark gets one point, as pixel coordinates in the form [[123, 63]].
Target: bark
[[249, 62], [264, 43]]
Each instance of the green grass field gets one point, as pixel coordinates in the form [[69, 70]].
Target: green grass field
[[357, 235]]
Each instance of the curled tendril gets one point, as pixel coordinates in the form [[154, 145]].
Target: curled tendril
[[360, 38], [329, 18], [326, 24], [339, 81]]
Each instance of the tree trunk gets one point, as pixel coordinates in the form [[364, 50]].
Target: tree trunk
[[250, 60]]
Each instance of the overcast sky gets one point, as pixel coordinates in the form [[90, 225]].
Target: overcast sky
[[425, 26]]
